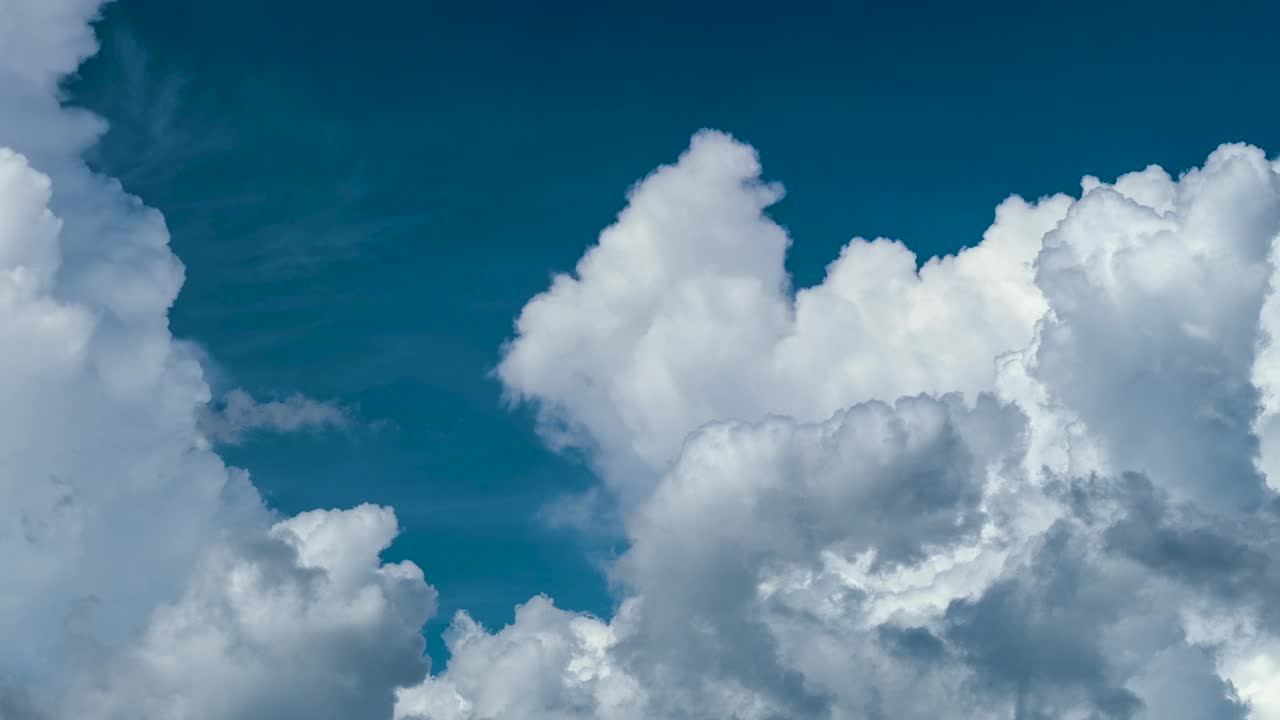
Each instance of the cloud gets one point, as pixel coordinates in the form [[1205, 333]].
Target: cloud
[[1156, 290], [683, 314], [748, 509], [303, 622], [549, 663], [138, 569], [1079, 530], [1028, 480], [240, 414]]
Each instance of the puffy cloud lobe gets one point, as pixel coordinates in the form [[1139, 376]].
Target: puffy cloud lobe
[[1156, 290], [683, 315], [688, 264], [746, 502], [908, 476], [97, 432], [548, 664], [53, 334], [303, 622], [42, 42], [1074, 629]]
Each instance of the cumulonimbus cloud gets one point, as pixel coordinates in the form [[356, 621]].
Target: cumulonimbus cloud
[[1027, 480]]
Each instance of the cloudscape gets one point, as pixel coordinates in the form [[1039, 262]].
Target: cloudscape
[[1033, 478]]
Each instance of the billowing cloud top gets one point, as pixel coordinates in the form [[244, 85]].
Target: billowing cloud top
[[1063, 513], [1029, 480]]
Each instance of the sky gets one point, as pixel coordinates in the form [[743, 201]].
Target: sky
[[323, 390]]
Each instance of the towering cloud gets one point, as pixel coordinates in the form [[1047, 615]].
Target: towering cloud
[[683, 314], [1081, 530]]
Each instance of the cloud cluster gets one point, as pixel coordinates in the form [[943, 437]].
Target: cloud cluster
[[1030, 480], [1061, 514]]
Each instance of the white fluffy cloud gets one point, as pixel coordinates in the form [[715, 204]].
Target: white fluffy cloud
[[303, 622], [1156, 290], [136, 567], [1097, 542], [683, 314], [548, 664], [1025, 481]]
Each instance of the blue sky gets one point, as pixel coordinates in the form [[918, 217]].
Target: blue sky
[[365, 196]]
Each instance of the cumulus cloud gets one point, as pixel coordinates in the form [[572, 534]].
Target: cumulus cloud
[[1082, 528], [549, 663], [683, 314], [1029, 480], [1156, 291], [137, 568], [303, 622], [239, 414]]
